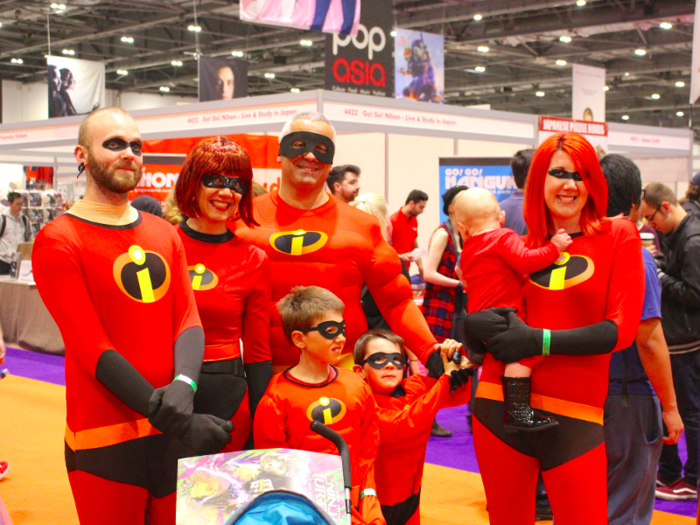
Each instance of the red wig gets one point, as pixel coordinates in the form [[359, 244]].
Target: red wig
[[215, 155], [586, 163]]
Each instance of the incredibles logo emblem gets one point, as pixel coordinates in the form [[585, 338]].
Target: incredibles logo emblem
[[142, 275], [567, 271], [299, 242], [202, 278], [326, 410]]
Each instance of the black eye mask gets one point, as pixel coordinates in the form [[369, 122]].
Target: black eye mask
[[563, 174], [121, 145], [311, 142], [328, 329], [217, 181], [381, 360]]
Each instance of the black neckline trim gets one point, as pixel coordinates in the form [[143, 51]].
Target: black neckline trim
[[332, 377], [109, 226], [206, 237]]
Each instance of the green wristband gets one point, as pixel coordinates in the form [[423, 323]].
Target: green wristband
[[368, 492], [546, 340], [187, 380]]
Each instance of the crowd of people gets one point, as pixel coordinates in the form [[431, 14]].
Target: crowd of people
[[253, 317]]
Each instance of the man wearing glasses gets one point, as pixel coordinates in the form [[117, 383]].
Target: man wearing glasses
[[680, 319]]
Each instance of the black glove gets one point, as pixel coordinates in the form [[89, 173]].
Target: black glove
[[484, 325], [204, 433], [435, 365], [459, 378], [518, 342], [171, 405]]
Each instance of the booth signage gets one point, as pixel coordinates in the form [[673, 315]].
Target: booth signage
[[491, 173], [363, 63], [595, 132]]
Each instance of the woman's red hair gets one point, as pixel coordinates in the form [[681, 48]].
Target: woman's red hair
[[214, 155], [586, 163]]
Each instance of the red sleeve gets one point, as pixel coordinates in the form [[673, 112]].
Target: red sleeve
[[625, 296], [60, 281], [269, 425], [524, 261], [393, 294], [256, 317], [370, 508]]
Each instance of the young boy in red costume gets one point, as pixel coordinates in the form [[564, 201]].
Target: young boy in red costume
[[312, 319], [407, 409], [494, 262]]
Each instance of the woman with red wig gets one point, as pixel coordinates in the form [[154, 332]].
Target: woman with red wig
[[231, 282], [577, 311]]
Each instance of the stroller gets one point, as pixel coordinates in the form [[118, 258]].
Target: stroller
[[217, 489]]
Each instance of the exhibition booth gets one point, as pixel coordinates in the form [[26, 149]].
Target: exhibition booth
[[396, 143]]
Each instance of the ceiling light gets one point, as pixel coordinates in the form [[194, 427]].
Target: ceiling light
[[680, 83], [164, 89], [237, 53], [625, 117], [565, 39], [58, 7], [478, 17], [581, 3], [640, 52], [679, 113], [68, 52], [295, 90], [656, 96], [128, 39], [483, 49], [17, 61], [540, 93], [177, 63], [393, 33], [269, 75], [627, 74], [479, 69], [306, 43], [606, 88], [122, 72], [194, 28], [666, 25], [561, 62]]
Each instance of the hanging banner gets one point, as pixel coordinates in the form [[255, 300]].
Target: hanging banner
[[491, 173], [76, 87], [588, 93], [419, 66], [695, 71], [595, 132], [329, 16], [363, 63], [222, 78]]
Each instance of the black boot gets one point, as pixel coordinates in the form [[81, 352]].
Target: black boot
[[438, 431], [518, 413]]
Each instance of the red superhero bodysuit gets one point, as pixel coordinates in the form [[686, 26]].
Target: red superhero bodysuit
[[345, 404], [123, 289], [405, 420], [339, 248], [601, 281], [231, 282], [493, 265]]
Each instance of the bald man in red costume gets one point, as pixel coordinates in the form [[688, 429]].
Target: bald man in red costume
[[312, 238]]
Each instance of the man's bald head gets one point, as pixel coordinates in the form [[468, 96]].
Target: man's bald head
[[84, 131], [476, 208]]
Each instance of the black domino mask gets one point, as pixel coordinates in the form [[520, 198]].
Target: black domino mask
[[381, 360], [327, 329], [290, 147], [563, 174]]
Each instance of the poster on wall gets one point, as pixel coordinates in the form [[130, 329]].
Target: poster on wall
[[588, 93], [491, 173], [363, 63], [595, 132], [419, 68], [222, 78], [76, 87], [329, 16]]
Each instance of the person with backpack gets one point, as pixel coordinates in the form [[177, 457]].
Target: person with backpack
[[14, 229]]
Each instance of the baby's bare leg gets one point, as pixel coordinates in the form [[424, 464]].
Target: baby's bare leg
[[517, 370]]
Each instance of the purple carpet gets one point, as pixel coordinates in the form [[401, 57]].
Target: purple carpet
[[455, 452]]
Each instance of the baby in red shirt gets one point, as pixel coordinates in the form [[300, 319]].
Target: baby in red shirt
[[494, 263]]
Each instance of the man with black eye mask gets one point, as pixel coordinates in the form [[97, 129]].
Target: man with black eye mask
[[312, 238]]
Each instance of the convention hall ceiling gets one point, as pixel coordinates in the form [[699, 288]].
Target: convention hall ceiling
[[645, 46]]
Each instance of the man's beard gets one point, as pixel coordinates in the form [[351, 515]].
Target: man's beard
[[106, 177]]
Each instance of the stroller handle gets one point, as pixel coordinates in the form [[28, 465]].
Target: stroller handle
[[339, 442]]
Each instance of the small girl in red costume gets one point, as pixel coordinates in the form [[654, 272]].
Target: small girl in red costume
[[494, 260], [231, 282]]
